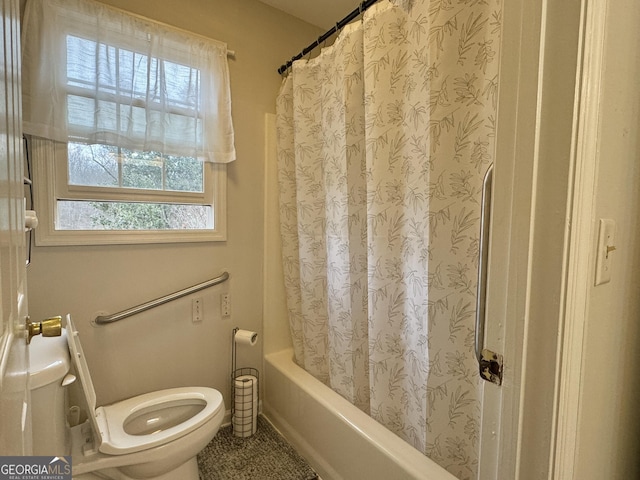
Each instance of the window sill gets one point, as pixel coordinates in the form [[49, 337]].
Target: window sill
[[101, 237]]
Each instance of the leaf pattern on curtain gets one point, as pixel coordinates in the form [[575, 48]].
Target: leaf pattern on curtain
[[383, 140]]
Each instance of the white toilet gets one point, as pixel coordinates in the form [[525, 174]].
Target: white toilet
[[156, 435]]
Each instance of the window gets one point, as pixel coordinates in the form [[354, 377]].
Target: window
[[98, 194], [130, 123]]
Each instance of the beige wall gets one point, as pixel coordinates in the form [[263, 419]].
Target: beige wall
[[609, 428], [162, 348], [277, 334]]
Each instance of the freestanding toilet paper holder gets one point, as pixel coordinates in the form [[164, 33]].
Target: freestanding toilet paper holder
[[244, 395]]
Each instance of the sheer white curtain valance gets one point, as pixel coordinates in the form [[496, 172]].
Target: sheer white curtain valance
[[95, 74]]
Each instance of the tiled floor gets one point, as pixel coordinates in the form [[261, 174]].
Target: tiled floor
[[265, 456]]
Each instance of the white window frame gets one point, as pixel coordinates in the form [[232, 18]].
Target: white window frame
[[50, 185]]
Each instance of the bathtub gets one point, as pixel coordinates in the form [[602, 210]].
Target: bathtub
[[339, 441]]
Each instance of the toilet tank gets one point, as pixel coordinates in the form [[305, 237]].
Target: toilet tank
[[48, 366]]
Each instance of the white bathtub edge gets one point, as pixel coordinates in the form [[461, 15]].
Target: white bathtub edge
[[304, 448], [397, 452]]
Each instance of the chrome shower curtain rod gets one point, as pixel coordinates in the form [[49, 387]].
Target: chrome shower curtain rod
[[358, 11]]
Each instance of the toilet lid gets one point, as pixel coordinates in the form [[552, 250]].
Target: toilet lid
[[82, 369]]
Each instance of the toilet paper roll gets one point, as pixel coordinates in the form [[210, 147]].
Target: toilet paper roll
[[245, 413], [246, 337]]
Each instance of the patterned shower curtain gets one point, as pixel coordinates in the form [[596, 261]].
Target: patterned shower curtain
[[383, 141]]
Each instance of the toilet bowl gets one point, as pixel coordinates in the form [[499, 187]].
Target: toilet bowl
[[156, 435]]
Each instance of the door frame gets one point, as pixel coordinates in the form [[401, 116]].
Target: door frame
[[541, 234], [580, 255]]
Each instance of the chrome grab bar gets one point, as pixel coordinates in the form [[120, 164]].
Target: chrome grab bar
[[481, 300], [104, 319]]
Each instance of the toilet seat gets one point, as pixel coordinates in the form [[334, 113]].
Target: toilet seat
[[112, 418], [108, 422]]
